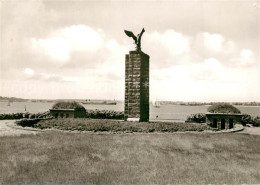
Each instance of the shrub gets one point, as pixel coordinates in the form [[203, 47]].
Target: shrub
[[68, 105], [246, 119], [24, 115], [11, 116], [223, 108], [256, 122], [28, 122], [104, 114], [197, 118], [95, 114]]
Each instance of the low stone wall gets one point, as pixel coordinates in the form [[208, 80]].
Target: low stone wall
[[68, 113]]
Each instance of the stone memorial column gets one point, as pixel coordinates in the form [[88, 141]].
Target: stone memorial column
[[137, 86]]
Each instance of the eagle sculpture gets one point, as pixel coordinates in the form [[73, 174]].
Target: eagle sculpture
[[136, 39]]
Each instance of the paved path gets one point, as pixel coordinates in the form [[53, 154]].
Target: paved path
[[251, 131], [9, 128]]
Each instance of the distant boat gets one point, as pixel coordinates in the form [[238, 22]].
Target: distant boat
[[8, 104], [156, 104], [110, 103], [99, 102]]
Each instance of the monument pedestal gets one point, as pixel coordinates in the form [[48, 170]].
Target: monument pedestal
[[136, 86]]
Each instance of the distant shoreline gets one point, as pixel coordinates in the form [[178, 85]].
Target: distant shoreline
[[166, 103]]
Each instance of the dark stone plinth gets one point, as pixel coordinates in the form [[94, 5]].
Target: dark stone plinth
[[137, 86]]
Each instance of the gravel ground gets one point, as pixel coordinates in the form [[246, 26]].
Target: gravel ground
[[9, 128]]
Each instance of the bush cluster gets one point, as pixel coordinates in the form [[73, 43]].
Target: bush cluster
[[94, 114], [68, 105], [256, 121], [24, 115], [197, 118], [28, 122], [117, 126], [223, 108], [104, 114], [11, 116], [248, 119]]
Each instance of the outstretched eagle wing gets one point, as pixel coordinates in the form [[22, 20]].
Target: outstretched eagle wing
[[130, 34], [140, 35]]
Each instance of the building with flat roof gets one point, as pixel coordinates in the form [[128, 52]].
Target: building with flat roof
[[68, 110], [223, 116]]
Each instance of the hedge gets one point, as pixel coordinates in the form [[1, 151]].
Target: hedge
[[28, 122], [25, 115], [197, 118], [104, 114]]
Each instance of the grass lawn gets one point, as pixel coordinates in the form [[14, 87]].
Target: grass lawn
[[134, 158]]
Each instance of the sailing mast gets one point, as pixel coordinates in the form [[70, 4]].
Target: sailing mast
[[156, 104]]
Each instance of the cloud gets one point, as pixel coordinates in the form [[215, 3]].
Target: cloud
[[48, 77], [174, 48], [229, 47], [29, 71], [112, 45], [82, 53], [207, 45], [207, 70], [166, 48], [61, 43], [32, 75], [54, 42], [176, 43], [173, 73], [205, 81], [245, 58], [213, 42], [82, 37], [57, 48], [70, 79], [246, 53], [207, 63]]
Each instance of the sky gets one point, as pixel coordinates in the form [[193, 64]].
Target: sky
[[199, 50]]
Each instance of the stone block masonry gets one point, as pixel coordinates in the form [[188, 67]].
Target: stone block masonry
[[137, 86], [223, 120]]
